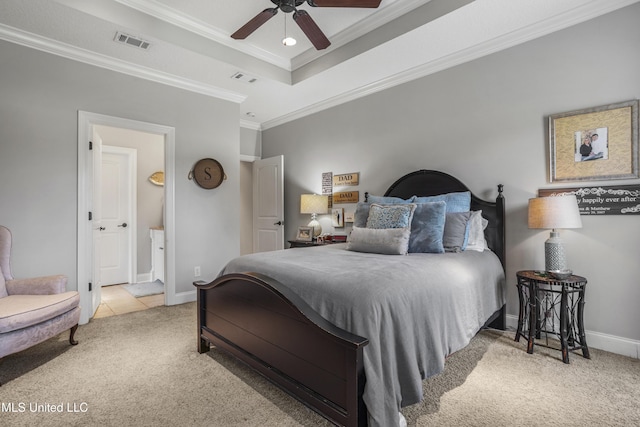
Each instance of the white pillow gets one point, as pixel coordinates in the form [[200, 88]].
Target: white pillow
[[477, 224]]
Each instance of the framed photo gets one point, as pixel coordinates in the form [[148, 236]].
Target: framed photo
[[599, 143], [305, 234], [337, 217], [349, 216]]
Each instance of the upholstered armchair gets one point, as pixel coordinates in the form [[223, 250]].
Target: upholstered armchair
[[33, 310]]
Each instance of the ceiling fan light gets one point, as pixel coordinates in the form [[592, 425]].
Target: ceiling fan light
[[289, 41]]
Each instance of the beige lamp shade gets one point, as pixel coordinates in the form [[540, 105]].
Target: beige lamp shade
[[554, 212], [314, 204]]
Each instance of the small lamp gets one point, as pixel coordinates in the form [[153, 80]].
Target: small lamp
[[314, 204], [554, 213]]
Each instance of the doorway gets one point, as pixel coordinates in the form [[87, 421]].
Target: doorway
[[131, 206], [155, 202]]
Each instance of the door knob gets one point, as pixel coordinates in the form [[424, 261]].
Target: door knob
[[100, 228], [278, 223], [123, 225]]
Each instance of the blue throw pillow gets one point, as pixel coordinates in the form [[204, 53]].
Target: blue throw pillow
[[427, 228], [456, 202], [388, 200], [390, 216], [362, 208]]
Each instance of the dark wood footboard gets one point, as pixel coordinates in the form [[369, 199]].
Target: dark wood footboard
[[268, 327]]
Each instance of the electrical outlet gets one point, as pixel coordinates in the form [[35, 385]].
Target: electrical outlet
[[196, 271]]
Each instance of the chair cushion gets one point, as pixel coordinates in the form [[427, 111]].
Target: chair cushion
[[22, 311]]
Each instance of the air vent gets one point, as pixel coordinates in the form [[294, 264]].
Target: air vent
[[132, 41], [243, 77]]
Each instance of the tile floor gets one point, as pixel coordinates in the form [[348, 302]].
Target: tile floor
[[116, 300]]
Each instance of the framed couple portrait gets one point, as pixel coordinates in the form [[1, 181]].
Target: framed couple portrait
[[598, 143]]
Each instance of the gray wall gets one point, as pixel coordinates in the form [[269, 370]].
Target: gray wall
[[41, 96], [485, 123]]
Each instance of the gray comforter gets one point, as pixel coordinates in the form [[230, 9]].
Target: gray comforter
[[414, 309]]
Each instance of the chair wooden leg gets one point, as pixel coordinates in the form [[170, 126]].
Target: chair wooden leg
[[72, 332]]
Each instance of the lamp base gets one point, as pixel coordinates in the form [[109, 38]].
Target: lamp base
[[554, 254], [317, 228]]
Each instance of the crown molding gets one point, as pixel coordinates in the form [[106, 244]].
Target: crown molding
[[539, 29], [186, 22], [75, 53], [175, 17], [386, 15], [250, 125]]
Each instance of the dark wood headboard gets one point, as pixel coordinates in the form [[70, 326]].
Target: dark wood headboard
[[423, 183]]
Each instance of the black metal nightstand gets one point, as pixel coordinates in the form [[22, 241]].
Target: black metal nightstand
[[552, 306]]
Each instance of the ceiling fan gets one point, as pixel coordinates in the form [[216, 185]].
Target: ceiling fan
[[302, 17]]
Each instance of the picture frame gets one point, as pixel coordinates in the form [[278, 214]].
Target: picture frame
[[337, 217], [305, 234], [349, 216], [599, 143]]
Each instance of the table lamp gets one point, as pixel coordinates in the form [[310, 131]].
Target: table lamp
[[554, 213], [314, 204]]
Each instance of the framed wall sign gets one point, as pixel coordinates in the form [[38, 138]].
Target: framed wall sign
[[346, 179], [601, 200], [599, 143], [337, 217], [346, 197]]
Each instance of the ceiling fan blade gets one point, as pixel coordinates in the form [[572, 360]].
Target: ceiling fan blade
[[312, 31], [344, 3], [255, 23]]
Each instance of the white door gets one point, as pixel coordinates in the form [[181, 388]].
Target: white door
[[268, 204], [96, 224], [117, 221]]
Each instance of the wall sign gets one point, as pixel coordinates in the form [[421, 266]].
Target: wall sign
[[346, 179], [327, 186], [610, 200], [346, 197], [208, 173]]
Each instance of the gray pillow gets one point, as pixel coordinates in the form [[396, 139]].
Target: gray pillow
[[456, 228], [427, 228], [386, 241]]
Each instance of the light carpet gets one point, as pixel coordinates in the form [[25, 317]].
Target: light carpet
[[142, 369]]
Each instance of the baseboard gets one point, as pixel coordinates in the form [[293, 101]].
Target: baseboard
[[143, 278], [182, 297], [610, 343]]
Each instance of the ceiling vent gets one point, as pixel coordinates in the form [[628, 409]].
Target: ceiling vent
[[243, 77], [132, 41]]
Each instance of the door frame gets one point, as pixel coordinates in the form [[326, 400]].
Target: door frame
[[86, 121], [131, 155]]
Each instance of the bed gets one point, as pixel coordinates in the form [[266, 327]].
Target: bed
[[353, 334]]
